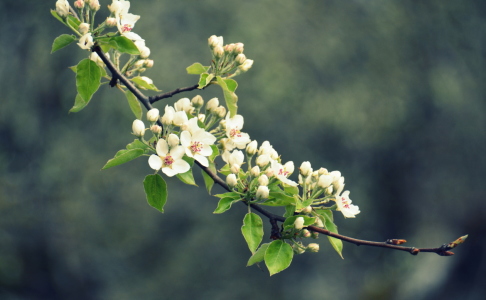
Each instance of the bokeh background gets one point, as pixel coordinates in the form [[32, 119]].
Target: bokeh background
[[391, 93]]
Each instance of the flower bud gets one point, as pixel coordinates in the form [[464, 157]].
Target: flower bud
[[83, 28], [307, 209], [315, 235], [212, 104], [239, 47], [235, 168], [306, 233], [323, 171], [263, 180], [313, 247], [197, 101], [329, 190], [214, 41], [79, 4], [144, 51], [138, 128], [298, 248], [110, 22], [263, 160], [201, 117], [229, 48], [156, 129], [168, 117], [153, 115], [252, 148], [94, 5], [183, 104], [180, 118], [173, 140], [299, 223], [220, 111], [86, 41], [255, 171], [240, 59], [262, 192], [273, 154], [246, 65], [305, 169], [269, 172], [324, 181], [231, 180], [319, 223], [149, 63], [218, 52], [97, 59]]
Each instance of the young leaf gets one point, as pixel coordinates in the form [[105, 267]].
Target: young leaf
[[231, 195], [196, 68], [229, 87], [252, 230], [144, 84], [121, 158], [134, 104], [124, 45], [278, 256], [62, 41], [204, 80], [88, 78], [208, 181], [55, 15], [224, 204], [156, 191], [279, 199], [259, 255], [327, 219], [79, 104]]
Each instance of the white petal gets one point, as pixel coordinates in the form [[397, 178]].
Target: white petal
[[202, 159], [162, 147], [186, 139], [181, 166], [206, 150], [155, 162]]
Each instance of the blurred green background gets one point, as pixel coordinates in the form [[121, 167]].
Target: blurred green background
[[391, 93]]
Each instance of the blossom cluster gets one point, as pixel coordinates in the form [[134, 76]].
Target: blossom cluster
[[228, 59], [120, 18], [202, 132]]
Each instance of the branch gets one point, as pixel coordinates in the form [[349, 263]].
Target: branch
[[275, 234]]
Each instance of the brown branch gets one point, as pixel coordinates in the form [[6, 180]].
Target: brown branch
[[275, 234]]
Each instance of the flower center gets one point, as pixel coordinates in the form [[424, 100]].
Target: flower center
[[344, 202], [168, 161], [126, 28], [283, 172], [196, 146], [235, 132]]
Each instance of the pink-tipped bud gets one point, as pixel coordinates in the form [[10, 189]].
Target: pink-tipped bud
[[79, 4], [313, 247], [239, 47], [94, 5], [110, 22]]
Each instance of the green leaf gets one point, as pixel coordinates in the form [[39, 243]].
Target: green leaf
[[252, 230], [259, 255], [278, 256], [204, 80], [144, 85], [188, 177], [224, 204], [229, 87], [231, 195], [74, 22], [88, 78], [215, 153], [291, 190], [62, 41], [289, 211], [156, 191], [327, 219], [137, 144], [121, 158], [208, 181], [279, 199], [134, 104], [79, 104], [55, 15], [124, 45], [197, 68]]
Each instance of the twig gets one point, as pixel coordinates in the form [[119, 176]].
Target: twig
[[275, 234]]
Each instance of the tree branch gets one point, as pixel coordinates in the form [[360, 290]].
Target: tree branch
[[275, 234]]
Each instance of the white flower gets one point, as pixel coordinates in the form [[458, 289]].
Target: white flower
[[305, 169], [262, 192], [62, 8], [344, 205], [236, 138], [246, 65], [138, 128], [231, 180], [170, 162], [86, 41], [153, 115], [263, 160], [313, 247], [198, 145], [168, 116], [119, 6], [281, 173], [299, 223]]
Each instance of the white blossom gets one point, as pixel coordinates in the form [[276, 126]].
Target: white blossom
[[86, 41], [198, 145], [344, 205], [170, 162]]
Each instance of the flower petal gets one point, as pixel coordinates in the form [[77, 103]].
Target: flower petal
[[155, 162]]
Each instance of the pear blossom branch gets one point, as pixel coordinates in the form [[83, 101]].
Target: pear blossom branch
[[172, 93], [443, 250]]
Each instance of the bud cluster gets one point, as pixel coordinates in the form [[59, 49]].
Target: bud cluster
[[228, 60]]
